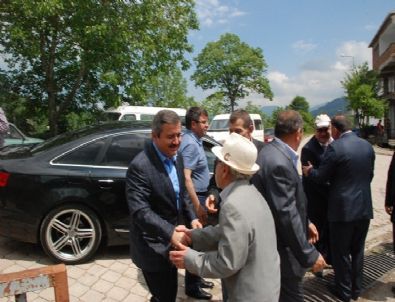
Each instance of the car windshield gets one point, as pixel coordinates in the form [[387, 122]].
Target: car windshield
[[219, 125], [70, 136], [110, 116]]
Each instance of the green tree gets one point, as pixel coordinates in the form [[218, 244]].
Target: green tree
[[169, 90], [77, 53], [300, 104], [214, 104], [232, 68], [362, 86]]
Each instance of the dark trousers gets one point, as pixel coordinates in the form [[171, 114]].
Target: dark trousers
[[348, 244], [291, 290], [192, 282], [162, 285]]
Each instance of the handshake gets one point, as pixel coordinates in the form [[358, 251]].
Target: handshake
[[180, 240]]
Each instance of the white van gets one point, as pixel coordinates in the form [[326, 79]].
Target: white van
[[219, 127], [137, 113]]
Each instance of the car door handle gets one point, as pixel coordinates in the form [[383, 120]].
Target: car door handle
[[106, 181]]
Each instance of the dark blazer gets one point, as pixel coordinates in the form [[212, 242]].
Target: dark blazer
[[280, 184], [390, 190], [317, 194], [153, 209], [348, 166]]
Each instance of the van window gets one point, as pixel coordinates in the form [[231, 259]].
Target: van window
[[258, 125], [146, 117], [128, 117], [219, 125]]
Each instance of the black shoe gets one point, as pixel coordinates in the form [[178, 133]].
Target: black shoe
[[199, 294], [354, 296], [336, 293], [206, 284]]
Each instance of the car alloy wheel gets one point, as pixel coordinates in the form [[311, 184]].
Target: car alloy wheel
[[71, 234]]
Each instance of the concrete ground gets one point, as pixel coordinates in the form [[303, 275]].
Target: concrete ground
[[111, 276]]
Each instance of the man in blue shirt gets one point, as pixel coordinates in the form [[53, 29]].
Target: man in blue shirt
[[197, 177]]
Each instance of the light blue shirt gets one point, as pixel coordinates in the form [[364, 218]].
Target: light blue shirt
[[195, 159], [169, 164]]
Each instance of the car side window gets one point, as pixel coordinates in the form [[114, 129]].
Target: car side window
[[258, 124], [84, 155], [129, 117], [210, 156], [123, 148]]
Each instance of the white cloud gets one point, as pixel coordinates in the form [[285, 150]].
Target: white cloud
[[317, 80], [303, 46], [211, 12]]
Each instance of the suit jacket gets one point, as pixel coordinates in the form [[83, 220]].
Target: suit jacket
[[390, 190], [241, 249], [153, 209], [317, 194], [280, 184], [348, 166]]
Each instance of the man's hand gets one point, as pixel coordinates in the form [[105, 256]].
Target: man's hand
[[177, 257], [211, 203], [389, 210], [195, 224], [180, 239], [319, 264], [313, 233], [201, 214], [307, 169]]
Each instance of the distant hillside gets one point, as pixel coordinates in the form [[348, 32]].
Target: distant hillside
[[268, 109], [331, 108]]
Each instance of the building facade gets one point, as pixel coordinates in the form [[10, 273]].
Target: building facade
[[383, 51]]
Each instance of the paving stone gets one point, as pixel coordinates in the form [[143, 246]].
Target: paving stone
[[93, 296], [75, 271], [135, 298], [111, 276], [78, 289], [116, 293], [126, 283], [102, 286], [88, 279]]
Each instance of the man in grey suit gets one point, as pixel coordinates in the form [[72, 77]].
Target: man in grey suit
[[155, 194], [348, 166], [241, 249], [279, 182]]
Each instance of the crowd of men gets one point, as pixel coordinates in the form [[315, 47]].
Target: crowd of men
[[269, 225]]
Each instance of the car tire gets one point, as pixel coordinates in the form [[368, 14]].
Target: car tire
[[71, 234]]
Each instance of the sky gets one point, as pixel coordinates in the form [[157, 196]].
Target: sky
[[308, 45]]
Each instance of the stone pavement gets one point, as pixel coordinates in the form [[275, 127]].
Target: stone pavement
[[111, 276]]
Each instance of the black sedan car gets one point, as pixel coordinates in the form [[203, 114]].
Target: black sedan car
[[68, 193]]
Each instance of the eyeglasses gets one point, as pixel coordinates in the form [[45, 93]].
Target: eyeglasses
[[322, 129]]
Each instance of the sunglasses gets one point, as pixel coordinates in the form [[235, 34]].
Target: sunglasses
[[322, 129]]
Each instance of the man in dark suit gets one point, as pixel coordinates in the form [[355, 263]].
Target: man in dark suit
[[279, 182], [348, 166], [317, 194], [155, 191], [390, 195]]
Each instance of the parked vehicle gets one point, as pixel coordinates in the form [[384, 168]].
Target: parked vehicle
[[16, 136], [137, 113], [269, 135], [219, 127], [68, 193]]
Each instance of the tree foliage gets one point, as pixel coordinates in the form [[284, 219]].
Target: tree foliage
[[169, 89], [71, 54], [232, 68], [300, 104], [214, 104], [362, 87]]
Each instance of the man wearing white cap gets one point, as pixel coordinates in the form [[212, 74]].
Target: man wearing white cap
[[241, 249], [317, 194]]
